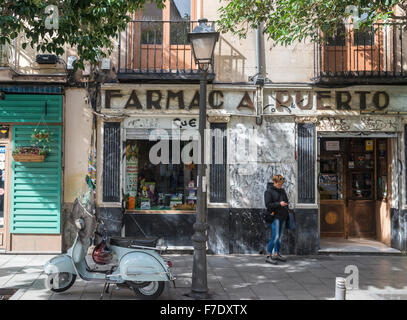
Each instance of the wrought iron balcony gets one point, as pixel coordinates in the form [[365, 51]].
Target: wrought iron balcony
[[375, 55], [158, 51]]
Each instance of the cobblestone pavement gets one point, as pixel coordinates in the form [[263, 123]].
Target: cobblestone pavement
[[231, 277]]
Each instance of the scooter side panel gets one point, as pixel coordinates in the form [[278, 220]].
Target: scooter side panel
[[143, 266], [61, 263]]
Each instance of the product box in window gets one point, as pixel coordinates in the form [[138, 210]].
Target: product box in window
[[145, 204], [176, 200]]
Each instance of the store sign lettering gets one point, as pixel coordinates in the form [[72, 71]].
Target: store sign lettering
[[167, 123], [380, 100], [159, 100], [179, 123], [325, 100]]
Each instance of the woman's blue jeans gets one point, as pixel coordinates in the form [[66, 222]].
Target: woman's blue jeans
[[277, 230]]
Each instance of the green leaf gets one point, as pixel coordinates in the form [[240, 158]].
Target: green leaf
[[89, 24]]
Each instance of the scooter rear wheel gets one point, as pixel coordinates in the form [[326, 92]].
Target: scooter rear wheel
[[68, 279], [149, 291]]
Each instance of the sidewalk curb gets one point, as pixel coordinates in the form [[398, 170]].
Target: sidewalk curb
[[19, 294]]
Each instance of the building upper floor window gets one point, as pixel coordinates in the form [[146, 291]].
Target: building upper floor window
[[169, 25], [363, 37], [339, 38], [345, 34]]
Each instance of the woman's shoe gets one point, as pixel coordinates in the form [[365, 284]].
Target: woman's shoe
[[269, 259], [279, 257]]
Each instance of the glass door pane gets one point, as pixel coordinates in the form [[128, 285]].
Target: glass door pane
[[362, 186]]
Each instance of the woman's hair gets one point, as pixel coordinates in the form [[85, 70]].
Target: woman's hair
[[278, 178]]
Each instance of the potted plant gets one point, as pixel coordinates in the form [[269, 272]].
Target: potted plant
[[37, 151]]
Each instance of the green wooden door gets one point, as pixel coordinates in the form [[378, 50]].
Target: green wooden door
[[36, 186]]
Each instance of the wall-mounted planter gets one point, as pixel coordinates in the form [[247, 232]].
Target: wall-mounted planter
[[29, 157]]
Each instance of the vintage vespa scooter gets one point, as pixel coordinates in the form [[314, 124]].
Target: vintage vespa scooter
[[138, 266]]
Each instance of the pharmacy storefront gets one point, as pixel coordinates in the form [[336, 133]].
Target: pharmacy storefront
[[342, 153], [147, 164]]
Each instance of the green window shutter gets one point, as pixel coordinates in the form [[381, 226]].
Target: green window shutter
[[30, 108], [36, 186]]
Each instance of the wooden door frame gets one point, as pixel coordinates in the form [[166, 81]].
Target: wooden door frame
[[7, 188]]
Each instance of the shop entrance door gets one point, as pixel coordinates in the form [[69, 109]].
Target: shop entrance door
[[353, 183], [3, 193], [360, 191]]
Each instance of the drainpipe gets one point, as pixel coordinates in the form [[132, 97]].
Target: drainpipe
[[258, 78]]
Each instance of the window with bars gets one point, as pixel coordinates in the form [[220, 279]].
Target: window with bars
[[156, 41]]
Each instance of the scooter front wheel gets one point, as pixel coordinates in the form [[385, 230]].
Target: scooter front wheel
[[148, 291], [65, 280]]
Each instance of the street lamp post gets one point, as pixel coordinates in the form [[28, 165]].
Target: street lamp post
[[203, 39]]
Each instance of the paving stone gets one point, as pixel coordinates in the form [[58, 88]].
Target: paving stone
[[289, 286], [65, 296], [263, 290], [226, 272], [93, 296], [298, 295], [241, 293], [273, 297], [36, 295]]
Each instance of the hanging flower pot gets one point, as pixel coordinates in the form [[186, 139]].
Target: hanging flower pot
[[37, 151], [28, 154]]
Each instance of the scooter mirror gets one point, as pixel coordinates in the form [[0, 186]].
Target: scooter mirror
[[79, 223]]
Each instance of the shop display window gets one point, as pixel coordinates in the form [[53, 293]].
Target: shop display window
[[162, 186]]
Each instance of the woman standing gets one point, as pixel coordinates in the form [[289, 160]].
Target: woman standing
[[276, 201]]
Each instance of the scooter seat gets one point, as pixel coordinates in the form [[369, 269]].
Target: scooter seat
[[128, 242]]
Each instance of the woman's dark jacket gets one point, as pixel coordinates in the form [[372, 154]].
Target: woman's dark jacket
[[272, 198]]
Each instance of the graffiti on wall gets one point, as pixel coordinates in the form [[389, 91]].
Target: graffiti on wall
[[275, 144], [359, 124]]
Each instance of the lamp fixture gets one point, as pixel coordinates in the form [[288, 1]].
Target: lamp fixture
[[203, 40]]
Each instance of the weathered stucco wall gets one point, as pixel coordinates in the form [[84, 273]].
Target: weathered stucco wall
[[77, 139], [275, 143]]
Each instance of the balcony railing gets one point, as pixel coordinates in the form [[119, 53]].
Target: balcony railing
[[373, 55], [157, 50]]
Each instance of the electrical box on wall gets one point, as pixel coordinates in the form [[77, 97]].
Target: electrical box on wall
[[46, 59], [105, 64]]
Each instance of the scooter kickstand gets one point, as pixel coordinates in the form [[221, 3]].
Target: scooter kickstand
[[105, 289]]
